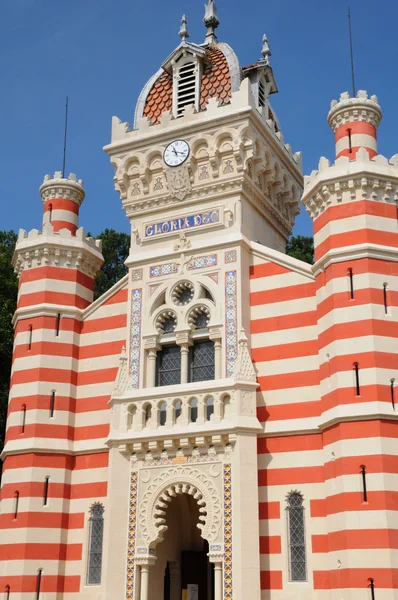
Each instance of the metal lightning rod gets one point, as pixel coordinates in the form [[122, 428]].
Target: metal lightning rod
[[65, 136], [351, 54]]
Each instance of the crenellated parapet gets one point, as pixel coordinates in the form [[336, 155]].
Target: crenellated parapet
[[347, 181], [60, 249], [360, 108]]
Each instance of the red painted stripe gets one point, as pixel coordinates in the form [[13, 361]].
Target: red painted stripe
[[58, 225], [67, 324], [287, 381], [365, 360], [270, 544], [40, 552], [360, 429], [355, 127], [291, 443], [57, 298], [89, 490], [298, 410], [304, 319], [356, 539], [353, 152], [56, 461], [352, 238], [271, 580], [104, 324], [91, 461], [298, 475], [117, 298], [364, 296], [35, 489], [57, 432], [284, 351], [91, 432], [284, 294], [41, 374], [57, 348], [343, 396], [267, 269], [49, 583], [269, 510], [356, 578], [40, 521], [98, 376], [41, 402], [318, 508], [99, 350], [92, 404], [58, 274], [355, 209], [358, 329], [361, 265], [61, 204], [351, 465], [353, 502]]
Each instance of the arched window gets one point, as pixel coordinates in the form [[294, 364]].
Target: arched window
[[209, 408], [130, 416], [95, 545], [296, 537], [178, 407], [226, 407], [169, 366], [163, 414], [193, 410], [202, 361], [148, 413]]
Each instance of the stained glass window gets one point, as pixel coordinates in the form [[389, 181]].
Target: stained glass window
[[169, 366], [297, 553], [202, 361], [95, 545]]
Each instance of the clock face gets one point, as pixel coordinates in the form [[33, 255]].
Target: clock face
[[176, 153]]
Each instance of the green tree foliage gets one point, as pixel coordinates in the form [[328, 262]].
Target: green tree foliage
[[8, 299], [301, 247], [115, 249]]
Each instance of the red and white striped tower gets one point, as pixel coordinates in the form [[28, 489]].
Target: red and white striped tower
[[62, 198], [354, 122], [56, 269], [354, 207]]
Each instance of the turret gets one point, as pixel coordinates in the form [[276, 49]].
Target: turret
[[354, 122], [62, 198]]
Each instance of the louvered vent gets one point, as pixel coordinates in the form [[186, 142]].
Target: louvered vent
[[186, 87], [261, 93]]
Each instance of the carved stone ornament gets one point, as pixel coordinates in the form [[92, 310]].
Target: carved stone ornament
[[122, 378], [179, 182], [153, 505], [244, 370]]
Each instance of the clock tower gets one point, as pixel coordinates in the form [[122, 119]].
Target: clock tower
[[206, 180]]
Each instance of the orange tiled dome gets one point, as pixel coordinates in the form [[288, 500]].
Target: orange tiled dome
[[216, 82]]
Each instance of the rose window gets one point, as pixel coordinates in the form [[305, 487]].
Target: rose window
[[183, 293]]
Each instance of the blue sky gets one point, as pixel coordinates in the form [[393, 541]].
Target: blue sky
[[101, 52]]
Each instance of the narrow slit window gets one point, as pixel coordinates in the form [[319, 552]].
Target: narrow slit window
[[23, 420], [351, 282], [52, 404], [392, 389], [357, 385], [385, 298], [349, 140], [58, 325], [38, 583], [296, 537], [95, 545], [364, 488], [372, 589], [30, 335], [16, 505], [50, 213], [7, 592], [45, 494]]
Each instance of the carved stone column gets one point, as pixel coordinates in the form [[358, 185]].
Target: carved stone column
[[215, 336], [152, 348], [145, 563], [183, 339], [217, 560]]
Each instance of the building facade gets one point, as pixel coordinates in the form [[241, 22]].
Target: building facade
[[221, 423]]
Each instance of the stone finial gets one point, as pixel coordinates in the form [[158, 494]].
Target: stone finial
[[266, 51], [244, 370], [211, 21], [122, 378], [183, 33]]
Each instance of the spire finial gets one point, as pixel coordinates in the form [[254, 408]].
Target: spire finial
[[183, 33], [266, 52], [211, 21]]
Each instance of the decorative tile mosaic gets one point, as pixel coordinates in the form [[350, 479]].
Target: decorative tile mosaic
[[231, 346], [135, 338], [131, 536], [161, 270], [228, 589], [204, 172], [201, 262], [136, 191], [213, 276], [158, 184], [228, 166], [136, 275], [231, 256]]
